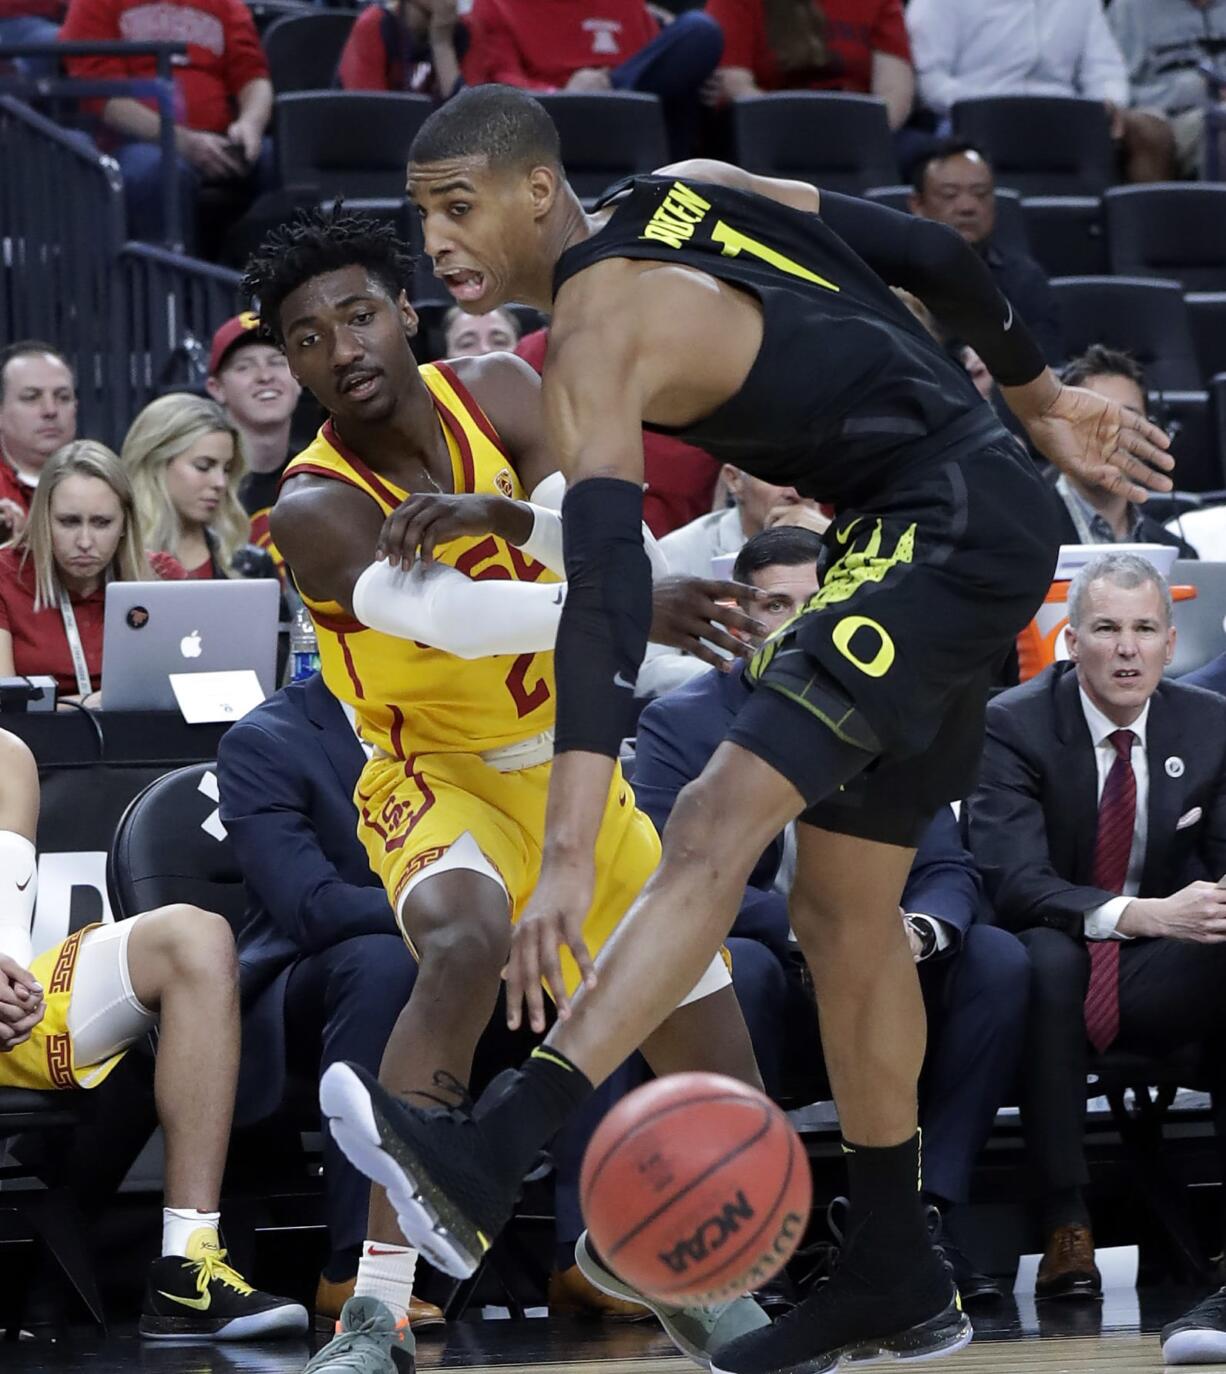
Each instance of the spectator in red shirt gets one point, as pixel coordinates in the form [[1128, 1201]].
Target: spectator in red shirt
[[38, 414], [593, 45], [82, 534], [405, 45], [223, 97], [680, 478], [184, 457], [829, 45]]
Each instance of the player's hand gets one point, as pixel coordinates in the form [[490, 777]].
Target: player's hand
[[13, 519], [554, 918], [419, 525], [21, 1003], [683, 609], [1098, 441]]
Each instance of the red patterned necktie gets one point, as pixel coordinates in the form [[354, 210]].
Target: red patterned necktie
[[1117, 814]]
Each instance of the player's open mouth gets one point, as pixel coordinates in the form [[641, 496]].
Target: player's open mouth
[[1126, 674], [463, 283], [360, 384]]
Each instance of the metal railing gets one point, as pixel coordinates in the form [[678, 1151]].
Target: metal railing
[[121, 312], [160, 89]]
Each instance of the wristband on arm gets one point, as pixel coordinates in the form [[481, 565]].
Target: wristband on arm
[[607, 616]]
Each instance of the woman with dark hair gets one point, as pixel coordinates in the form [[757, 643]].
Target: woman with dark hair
[[833, 45], [405, 45]]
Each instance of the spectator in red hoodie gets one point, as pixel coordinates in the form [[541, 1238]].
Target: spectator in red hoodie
[[223, 97], [830, 45], [404, 45], [592, 45]]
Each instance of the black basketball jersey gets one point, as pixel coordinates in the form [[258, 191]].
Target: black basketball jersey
[[848, 390]]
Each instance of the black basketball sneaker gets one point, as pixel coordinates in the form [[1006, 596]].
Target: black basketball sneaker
[[198, 1297], [854, 1318], [447, 1182]]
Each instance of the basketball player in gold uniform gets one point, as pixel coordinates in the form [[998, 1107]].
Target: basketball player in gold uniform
[[69, 1015], [448, 669]]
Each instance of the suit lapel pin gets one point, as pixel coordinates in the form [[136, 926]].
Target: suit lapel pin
[[1174, 766]]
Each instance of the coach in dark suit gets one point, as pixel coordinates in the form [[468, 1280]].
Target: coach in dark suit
[[1100, 828], [974, 976], [324, 971]]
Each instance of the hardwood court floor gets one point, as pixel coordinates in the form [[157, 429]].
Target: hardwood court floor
[[1070, 1342]]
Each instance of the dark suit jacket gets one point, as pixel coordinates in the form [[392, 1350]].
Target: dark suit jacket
[[1211, 676], [677, 735], [1032, 820], [286, 774]]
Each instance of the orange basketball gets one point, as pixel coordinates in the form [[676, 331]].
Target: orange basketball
[[695, 1188]]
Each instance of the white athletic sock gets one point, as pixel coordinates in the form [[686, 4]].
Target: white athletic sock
[[386, 1272], [18, 883], [179, 1224]]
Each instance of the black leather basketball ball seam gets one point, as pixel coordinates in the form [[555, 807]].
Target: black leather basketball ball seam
[[768, 1114], [739, 1098], [751, 1242]]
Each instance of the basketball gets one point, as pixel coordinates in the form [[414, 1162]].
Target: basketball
[[695, 1188]]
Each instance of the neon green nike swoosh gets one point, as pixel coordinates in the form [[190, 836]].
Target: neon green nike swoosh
[[200, 1304]]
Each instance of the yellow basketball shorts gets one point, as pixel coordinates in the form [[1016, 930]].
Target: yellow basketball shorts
[[46, 1059], [411, 812]]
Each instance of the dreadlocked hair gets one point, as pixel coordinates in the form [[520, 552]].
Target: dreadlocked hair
[[323, 239]]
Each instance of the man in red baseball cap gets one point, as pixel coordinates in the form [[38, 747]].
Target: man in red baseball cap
[[249, 377]]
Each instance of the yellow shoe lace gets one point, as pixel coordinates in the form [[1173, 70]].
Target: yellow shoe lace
[[211, 1267]]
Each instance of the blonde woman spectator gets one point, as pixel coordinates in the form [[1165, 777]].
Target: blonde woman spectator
[[82, 534], [185, 459]]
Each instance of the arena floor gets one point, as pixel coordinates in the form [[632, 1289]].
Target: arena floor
[[1121, 1337]]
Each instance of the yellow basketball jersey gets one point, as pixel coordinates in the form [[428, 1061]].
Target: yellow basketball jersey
[[409, 698]]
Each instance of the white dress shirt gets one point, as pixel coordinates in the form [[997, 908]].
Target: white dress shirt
[[1102, 923], [968, 48]]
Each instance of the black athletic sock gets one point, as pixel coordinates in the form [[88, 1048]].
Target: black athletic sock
[[523, 1110], [886, 1226], [1064, 1207]]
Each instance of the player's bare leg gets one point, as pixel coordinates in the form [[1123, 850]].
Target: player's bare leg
[[183, 966], [458, 924], [657, 955]]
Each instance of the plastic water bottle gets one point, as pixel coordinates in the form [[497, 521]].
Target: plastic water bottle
[[303, 648]]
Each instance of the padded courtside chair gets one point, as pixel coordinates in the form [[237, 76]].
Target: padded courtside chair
[[607, 136], [833, 140], [1041, 145], [304, 50], [1147, 318], [50, 1213]]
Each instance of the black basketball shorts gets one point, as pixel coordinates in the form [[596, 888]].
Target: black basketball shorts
[[871, 699]]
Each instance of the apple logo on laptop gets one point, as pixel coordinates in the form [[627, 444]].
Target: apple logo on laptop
[[189, 645]]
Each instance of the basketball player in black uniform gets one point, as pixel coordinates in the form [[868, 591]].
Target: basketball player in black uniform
[[752, 318]]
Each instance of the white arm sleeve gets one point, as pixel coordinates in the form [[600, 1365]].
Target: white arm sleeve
[[549, 492], [436, 605], [18, 883]]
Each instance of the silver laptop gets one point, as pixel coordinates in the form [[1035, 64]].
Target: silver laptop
[[1200, 624], [153, 629]]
